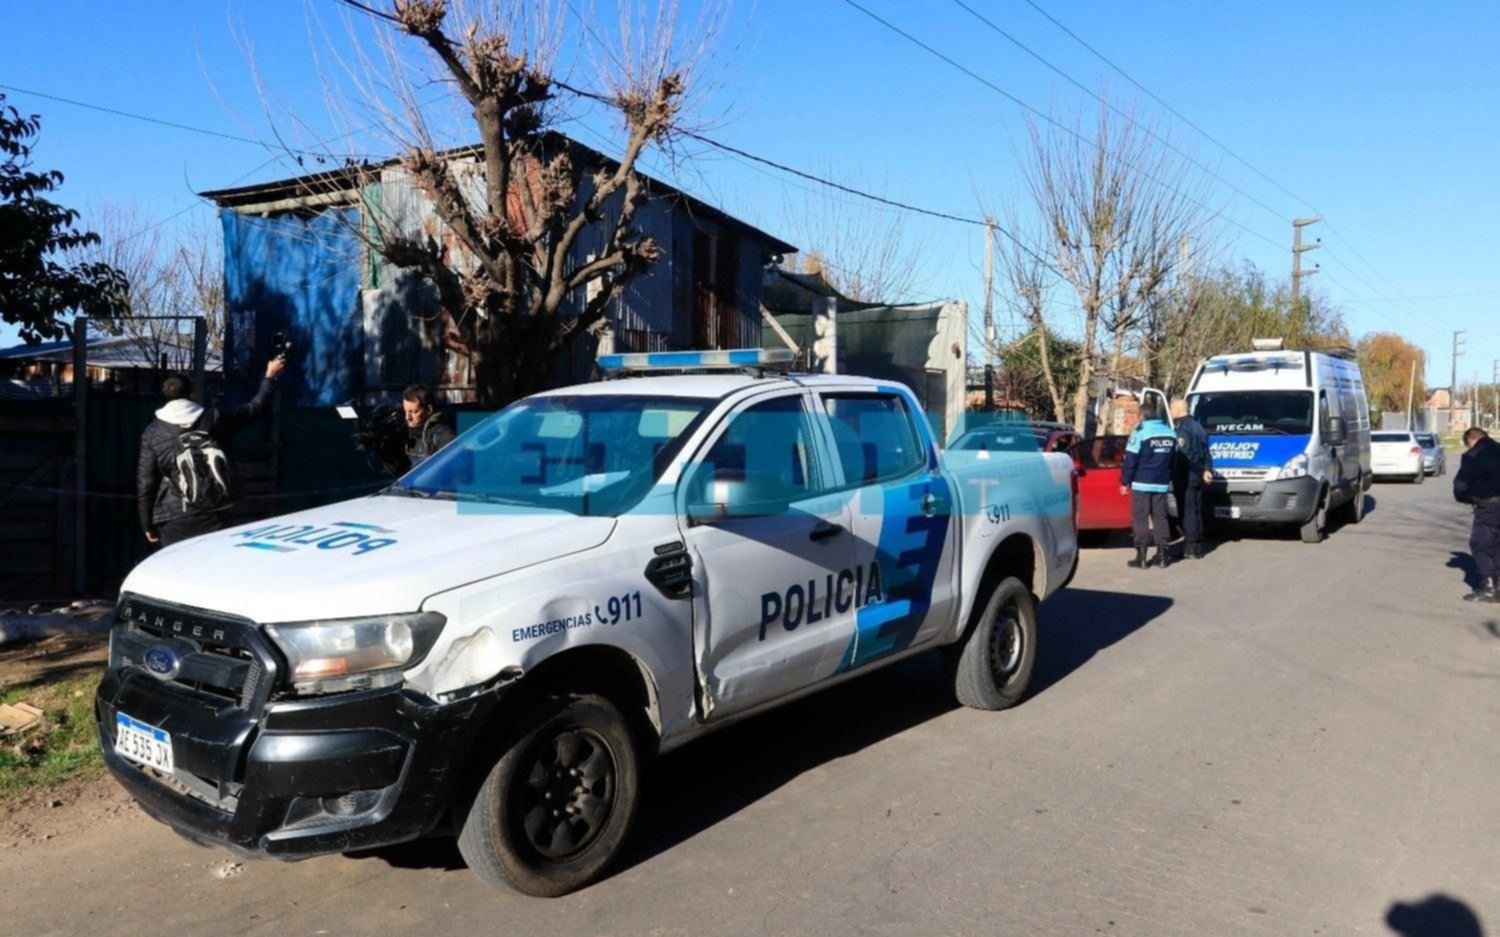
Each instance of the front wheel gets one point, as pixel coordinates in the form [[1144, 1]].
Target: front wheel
[[992, 668], [554, 809], [1316, 527]]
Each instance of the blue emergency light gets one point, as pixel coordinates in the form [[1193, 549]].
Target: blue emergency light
[[724, 359]]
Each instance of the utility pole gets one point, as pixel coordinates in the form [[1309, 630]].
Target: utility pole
[[1298, 248], [1495, 392], [1458, 350], [989, 314]]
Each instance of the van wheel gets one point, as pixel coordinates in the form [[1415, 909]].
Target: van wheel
[[555, 808], [1317, 526], [992, 668], [1354, 511]]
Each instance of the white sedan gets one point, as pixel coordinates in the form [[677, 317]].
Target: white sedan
[[1396, 454]]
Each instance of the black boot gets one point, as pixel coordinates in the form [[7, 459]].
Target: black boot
[[1486, 590], [1140, 561], [1193, 551], [1163, 558]]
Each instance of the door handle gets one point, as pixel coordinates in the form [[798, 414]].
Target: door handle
[[825, 532], [929, 504]]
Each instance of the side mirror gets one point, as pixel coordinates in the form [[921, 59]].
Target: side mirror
[[1336, 434], [728, 495]]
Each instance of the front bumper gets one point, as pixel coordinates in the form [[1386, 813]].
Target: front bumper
[[301, 778], [1286, 501]]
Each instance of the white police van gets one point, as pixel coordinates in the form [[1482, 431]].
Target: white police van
[[587, 578], [1290, 436]]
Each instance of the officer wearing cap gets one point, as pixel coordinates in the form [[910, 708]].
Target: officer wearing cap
[[1478, 483]]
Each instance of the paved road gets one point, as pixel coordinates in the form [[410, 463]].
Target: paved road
[[1280, 739]]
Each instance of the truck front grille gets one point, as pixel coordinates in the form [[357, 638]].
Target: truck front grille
[[216, 655]]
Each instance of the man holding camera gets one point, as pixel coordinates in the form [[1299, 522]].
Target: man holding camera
[[426, 432]]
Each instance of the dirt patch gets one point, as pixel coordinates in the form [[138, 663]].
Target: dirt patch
[[57, 675], [76, 806]]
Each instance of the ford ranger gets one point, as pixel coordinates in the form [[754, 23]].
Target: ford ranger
[[589, 577]]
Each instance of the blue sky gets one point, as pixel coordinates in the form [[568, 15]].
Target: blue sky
[[1383, 116]]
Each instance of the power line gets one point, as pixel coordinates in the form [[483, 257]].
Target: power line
[[1041, 115], [1206, 135], [1122, 113], [1170, 109], [141, 117]]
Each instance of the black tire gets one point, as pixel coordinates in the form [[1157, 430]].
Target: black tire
[[1316, 527], [992, 668], [1354, 508], [1421, 477], [574, 751]]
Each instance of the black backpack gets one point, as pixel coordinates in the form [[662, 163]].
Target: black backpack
[[201, 471]]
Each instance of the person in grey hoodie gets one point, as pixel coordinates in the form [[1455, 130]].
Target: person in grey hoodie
[[183, 482]]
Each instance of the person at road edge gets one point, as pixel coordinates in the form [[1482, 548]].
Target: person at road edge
[[1147, 478], [1478, 483]]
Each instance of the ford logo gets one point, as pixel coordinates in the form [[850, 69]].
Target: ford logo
[[161, 662]]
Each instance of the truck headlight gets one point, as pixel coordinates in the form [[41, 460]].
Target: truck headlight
[[1296, 467], [355, 653]]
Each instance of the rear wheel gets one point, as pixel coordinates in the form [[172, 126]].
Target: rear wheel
[[1420, 477], [554, 809], [992, 668], [1354, 510]]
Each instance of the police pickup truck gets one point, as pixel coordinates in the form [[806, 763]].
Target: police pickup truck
[[589, 577]]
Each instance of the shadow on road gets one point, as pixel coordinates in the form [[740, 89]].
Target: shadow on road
[[691, 790], [1436, 915], [1076, 624], [1465, 562]]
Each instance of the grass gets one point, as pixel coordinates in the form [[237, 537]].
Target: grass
[[64, 748]]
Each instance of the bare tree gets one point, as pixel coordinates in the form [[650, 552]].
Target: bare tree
[[1115, 208], [172, 276], [537, 238], [864, 252], [1029, 279]]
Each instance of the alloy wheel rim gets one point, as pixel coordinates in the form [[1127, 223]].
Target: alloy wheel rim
[[567, 794]]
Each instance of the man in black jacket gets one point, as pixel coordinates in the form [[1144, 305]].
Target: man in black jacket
[[426, 432], [1478, 483], [1197, 471], [183, 482]]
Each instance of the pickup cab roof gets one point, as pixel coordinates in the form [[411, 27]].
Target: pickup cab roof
[[707, 386]]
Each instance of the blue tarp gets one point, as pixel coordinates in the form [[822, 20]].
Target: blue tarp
[[299, 276]]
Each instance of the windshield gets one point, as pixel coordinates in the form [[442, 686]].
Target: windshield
[[1255, 412], [590, 454], [1002, 439], [1427, 439]]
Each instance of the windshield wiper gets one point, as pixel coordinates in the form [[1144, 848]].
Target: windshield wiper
[[401, 491]]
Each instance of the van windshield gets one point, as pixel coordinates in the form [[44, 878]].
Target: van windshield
[[590, 454], [1255, 412]]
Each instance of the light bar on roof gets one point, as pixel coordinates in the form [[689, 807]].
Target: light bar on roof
[[728, 359], [1257, 362]]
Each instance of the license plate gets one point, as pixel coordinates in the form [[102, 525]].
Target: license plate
[[1230, 513], [143, 744]]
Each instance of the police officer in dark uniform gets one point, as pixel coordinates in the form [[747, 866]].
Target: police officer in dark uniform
[[1478, 483], [1196, 469]]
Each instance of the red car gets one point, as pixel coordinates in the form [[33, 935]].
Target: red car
[[1097, 462]]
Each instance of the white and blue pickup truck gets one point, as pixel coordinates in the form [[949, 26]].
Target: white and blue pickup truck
[[587, 578]]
